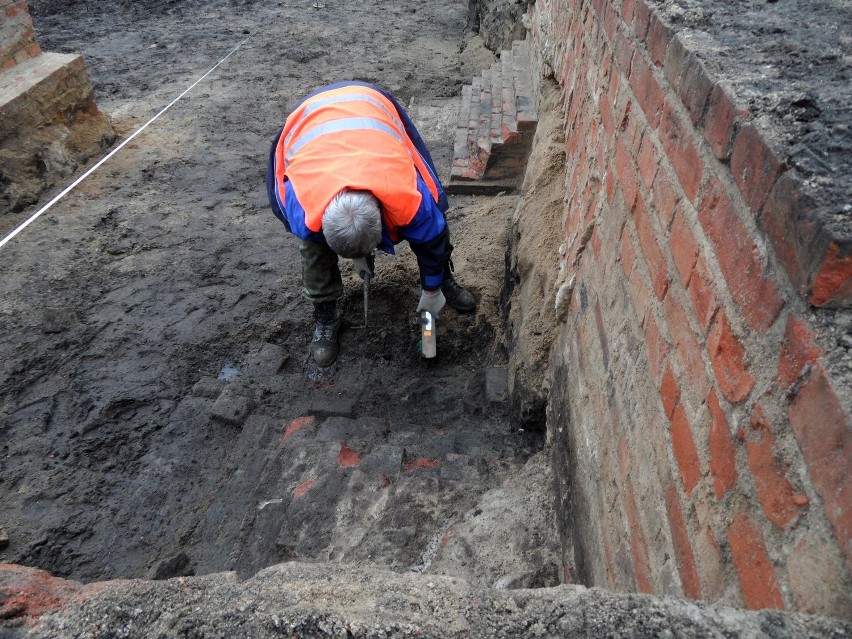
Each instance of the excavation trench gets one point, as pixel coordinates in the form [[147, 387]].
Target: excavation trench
[[160, 416]]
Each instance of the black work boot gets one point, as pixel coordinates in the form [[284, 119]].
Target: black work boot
[[458, 297], [324, 345]]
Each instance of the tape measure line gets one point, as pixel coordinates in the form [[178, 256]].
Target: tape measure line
[[91, 170]]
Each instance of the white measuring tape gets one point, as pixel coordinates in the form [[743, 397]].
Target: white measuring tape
[[71, 186]]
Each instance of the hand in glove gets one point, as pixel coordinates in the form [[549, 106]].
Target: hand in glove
[[432, 301], [363, 266]]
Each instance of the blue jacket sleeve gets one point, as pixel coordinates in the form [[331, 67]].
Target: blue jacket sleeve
[[427, 236], [290, 212]]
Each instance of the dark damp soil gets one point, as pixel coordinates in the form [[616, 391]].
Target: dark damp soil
[[154, 353]]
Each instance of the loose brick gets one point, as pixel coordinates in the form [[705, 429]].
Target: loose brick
[[755, 166], [723, 461], [721, 119], [774, 491], [823, 431], [681, 152], [798, 351], [684, 557], [303, 487], [758, 298], [683, 247], [651, 250], [684, 448], [727, 356], [831, 285], [669, 391]]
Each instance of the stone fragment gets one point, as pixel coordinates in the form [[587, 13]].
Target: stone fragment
[[4, 538], [231, 408], [335, 403], [268, 360], [207, 387], [496, 383]]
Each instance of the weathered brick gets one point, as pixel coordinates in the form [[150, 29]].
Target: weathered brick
[[674, 62], [638, 547], [626, 174], [702, 294], [722, 116], [727, 356], [669, 391], [831, 284], [723, 461], [755, 166], [683, 247], [628, 8], [641, 19], [610, 20], [686, 345], [816, 576], [681, 152], [665, 196], [647, 90], [655, 345], [624, 51], [647, 162], [683, 445], [712, 566], [651, 250], [659, 35], [737, 254], [798, 350], [774, 491], [628, 254], [789, 220], [823, 431], [684, 557], [757, 577], [695, 88]]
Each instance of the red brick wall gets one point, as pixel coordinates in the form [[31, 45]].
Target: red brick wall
[[17, 37], [704, 448]]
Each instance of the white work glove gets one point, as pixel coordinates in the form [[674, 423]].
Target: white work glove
[[361, 266], [432, 301]]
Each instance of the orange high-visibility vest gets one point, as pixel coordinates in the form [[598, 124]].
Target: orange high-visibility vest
[[350, 138]]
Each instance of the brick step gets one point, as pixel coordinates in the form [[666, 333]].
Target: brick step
[[496, 125]]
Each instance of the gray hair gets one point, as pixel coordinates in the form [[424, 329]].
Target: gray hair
[[352, 223]]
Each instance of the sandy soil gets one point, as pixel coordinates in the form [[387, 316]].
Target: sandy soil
[[166, 267]]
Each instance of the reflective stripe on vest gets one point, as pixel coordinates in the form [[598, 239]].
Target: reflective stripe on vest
[[369, 151], [335, 126], [335, 99]]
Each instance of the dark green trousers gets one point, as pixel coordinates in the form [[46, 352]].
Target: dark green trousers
[[321, 278], [320, 274]]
